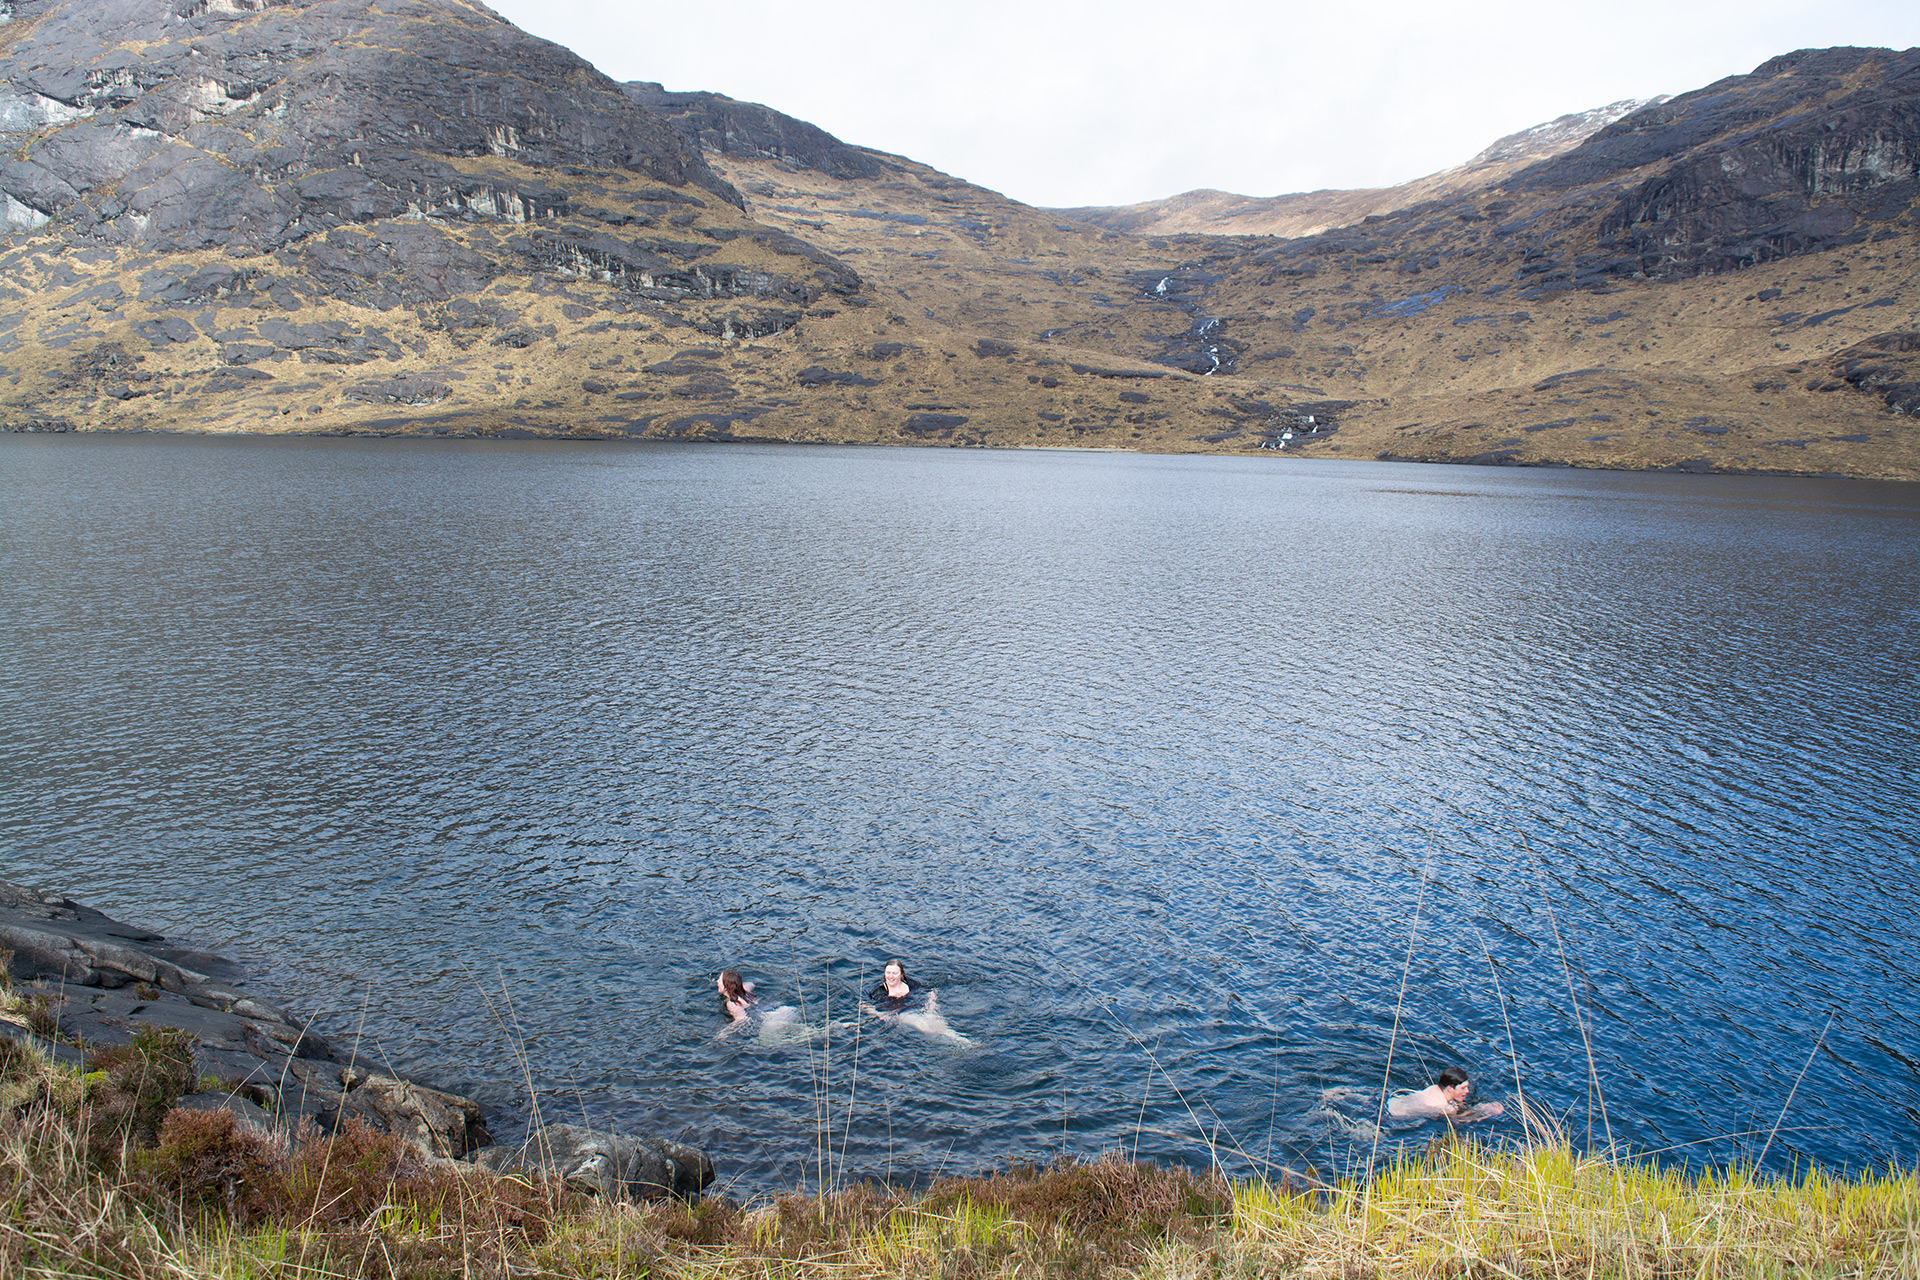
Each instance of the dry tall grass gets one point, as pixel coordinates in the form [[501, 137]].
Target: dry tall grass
[[98, 1178], [1549, 1211], [1460, 1211]]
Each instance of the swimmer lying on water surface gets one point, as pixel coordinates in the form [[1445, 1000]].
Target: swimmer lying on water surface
[[893, 997], [778, 1025], [1443, 1100]]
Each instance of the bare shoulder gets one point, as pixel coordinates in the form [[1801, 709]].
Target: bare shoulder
[[1425, 1102]]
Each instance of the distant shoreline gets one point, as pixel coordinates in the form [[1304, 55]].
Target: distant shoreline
[[516, 436]]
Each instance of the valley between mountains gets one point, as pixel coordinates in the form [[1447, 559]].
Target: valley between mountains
[[409, 217]]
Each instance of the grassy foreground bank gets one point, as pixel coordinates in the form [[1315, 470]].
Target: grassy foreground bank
[[101, 1176]]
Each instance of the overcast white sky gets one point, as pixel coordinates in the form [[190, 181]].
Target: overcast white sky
[[1084, 102]]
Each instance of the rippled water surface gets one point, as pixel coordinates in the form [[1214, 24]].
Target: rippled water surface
[[1154, 767]]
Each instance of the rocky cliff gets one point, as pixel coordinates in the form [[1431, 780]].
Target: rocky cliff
[[253, 126], [407, 216], [717, 123], [1813, 150]]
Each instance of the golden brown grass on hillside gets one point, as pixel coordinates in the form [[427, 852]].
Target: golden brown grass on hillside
[[981, 322], [1446, 364]]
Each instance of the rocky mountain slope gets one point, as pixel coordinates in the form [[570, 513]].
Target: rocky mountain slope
[[408, 216], [1724, 281], [1308, 213]]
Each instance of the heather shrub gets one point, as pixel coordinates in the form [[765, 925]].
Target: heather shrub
[[799, 1225], [704, 1224], [17, 1062], [209, 1162], [338, 1181]]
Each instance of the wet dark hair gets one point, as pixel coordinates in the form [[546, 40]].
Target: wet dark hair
[[1453, 1076], [734, 988], [893, 964]]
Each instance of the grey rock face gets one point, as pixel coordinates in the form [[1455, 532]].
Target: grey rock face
[[272, 1068], [719, 124], [1811, 150], [441, 1124], [55, 937], [255, 126], [608, 1165]]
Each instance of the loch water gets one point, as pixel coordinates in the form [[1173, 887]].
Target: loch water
[[1194, 785]]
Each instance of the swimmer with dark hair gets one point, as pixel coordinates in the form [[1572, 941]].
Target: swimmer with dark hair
[[777, 1025], [893, 993], [736, 994], [893, 997], [1445, 1099]]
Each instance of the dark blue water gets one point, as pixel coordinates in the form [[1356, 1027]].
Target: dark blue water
[[1154, 767]]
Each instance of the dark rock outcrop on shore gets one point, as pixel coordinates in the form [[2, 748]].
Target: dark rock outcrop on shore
[[103, 981], [610, 1165]]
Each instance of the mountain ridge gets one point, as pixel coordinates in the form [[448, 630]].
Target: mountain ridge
[[1305, 213], [407, 216], [1433, 325]]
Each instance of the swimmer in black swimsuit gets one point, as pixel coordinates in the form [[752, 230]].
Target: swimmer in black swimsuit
[[894, 1000], [893, 993]]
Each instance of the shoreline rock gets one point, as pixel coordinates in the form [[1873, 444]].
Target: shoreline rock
[[612, 1166], [104, 980]]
